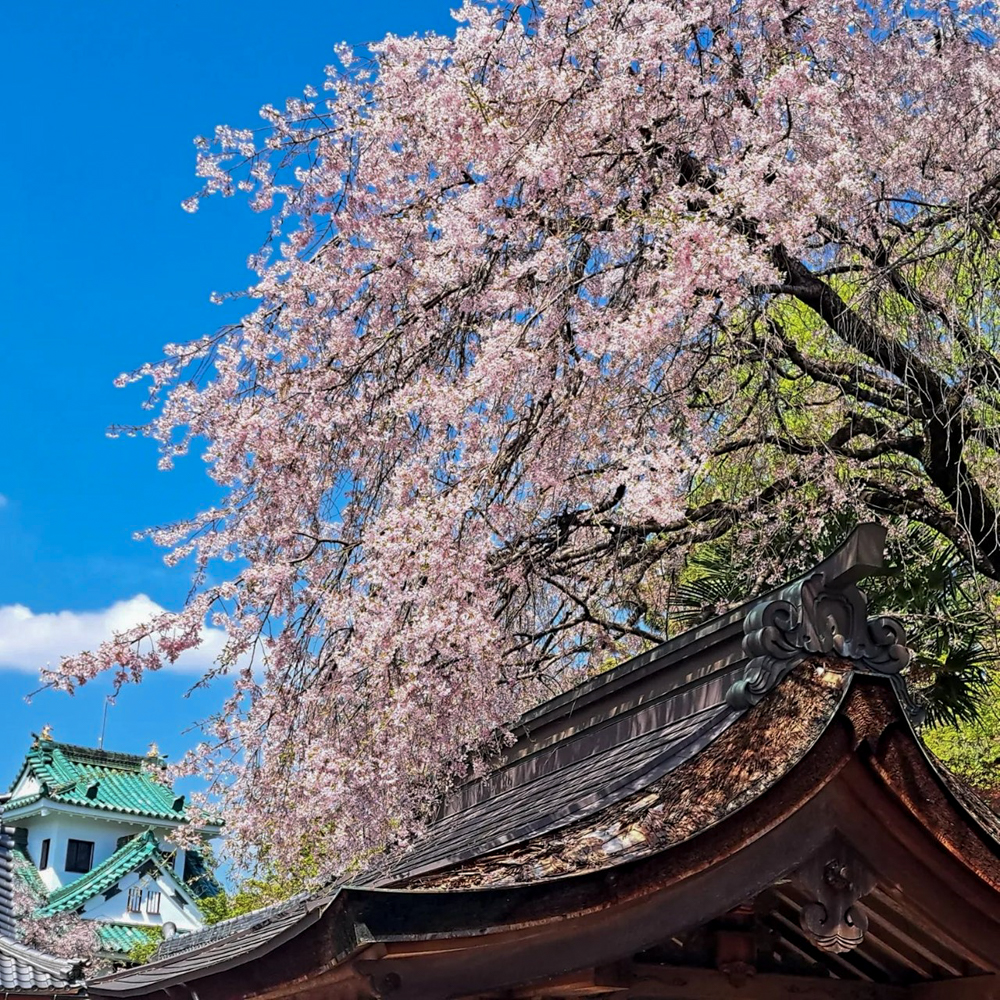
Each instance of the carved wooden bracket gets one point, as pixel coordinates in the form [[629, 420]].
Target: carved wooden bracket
[[834, 880]]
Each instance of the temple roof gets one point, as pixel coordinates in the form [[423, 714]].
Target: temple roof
[[701, 777], [230, 940], [24, 970], [722, 769], [97, 779]]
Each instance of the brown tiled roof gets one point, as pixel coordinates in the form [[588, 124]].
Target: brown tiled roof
[[557, 797], [970, 799], [224, 944]]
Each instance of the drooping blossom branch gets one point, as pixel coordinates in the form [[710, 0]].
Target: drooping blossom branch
[[543, 305], [65, 935]]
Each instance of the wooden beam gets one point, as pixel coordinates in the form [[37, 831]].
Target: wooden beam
[[885, 914], [938, 894], [603, 982], [662, 982], [793, 934], [652, 982], [967, 988], [342, 981], [659, 981]]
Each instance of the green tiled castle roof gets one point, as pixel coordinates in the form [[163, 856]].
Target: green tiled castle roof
[[120, 939], [107, 874], [99, 779], [24, 868]]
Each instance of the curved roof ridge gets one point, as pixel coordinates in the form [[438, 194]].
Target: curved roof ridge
[[253, 920], [52, 965], [101, 780], [860, 555], [109, 758]]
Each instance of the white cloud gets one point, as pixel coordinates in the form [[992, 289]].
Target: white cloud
[[30, 641]]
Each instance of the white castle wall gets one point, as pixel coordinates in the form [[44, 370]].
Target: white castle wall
[[60, 828], [184, 917]]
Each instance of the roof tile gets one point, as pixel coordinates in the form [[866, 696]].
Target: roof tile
[[100, 779], [120, 939], [23, 969]]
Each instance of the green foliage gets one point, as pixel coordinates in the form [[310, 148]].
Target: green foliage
[[951, 623], [254, 894], [215, 908], [139, 954], [972, 748], [268, 886], [949, 616]]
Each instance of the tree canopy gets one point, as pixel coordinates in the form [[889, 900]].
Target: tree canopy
[[545, 306]]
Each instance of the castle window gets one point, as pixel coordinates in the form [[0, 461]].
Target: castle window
[[152, 902], [79, 856], [135, 899], [43, 861]]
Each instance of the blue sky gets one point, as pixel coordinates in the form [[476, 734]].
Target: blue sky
[[101, 267]]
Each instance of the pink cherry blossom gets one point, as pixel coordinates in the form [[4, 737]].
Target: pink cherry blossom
[[456, 427], [65, 935]]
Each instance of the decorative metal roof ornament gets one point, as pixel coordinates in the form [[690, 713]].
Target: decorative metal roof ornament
[[822, 613]]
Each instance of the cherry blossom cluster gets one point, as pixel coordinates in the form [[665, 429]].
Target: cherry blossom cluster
[[64, 935], [458, 418]]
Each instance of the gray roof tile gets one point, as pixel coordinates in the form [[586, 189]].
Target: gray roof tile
[[564, 788], [22, 969], [216, 948]]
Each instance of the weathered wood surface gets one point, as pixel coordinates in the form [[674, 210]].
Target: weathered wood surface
[[655, 982]]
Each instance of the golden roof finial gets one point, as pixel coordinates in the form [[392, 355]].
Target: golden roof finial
[[46, 733], [154, 750]]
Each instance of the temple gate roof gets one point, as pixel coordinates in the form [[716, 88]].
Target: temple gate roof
[[749, 802]]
